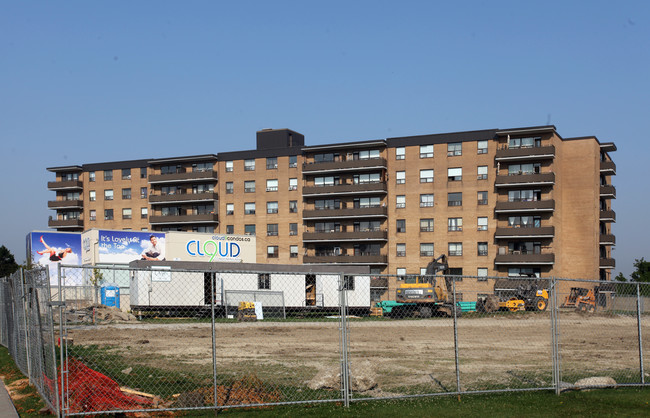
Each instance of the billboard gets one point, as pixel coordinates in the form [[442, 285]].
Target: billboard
[[122, 247], [49, 249], [211, 248]]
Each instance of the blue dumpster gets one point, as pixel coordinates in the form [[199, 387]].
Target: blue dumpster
[[110, 295]]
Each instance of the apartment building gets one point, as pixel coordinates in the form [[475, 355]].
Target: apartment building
[[522, 201]]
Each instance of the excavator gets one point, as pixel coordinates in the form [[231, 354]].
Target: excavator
[[428, 295]]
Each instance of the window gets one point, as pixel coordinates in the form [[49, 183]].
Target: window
[[264, 281], [348, 282], [455, 248], [92, 196], [454, 148], [249, 229], [525, 247], [108, 194], [426, 250], [293, 251], [272, 230], [400, 153], [293, 206], [454, 174], [126, 174], [401, 225], [524, 221], [366, 178], [126, 194], [529, 168], [272, 185], [530, 142], [293, 161], [482, 198], [272, 251], [249, 186], [426, 200], [482, 248], [108, 175], [230, 229], [426, 225], [401, 271], [93, 215], [143, 172], [201, 167], [91, 176], [401, 250], [455, 224], [144, 213], [367, 155], [271, 163], [482, 223], [426, 176], [455, 199], [229, 166], [482, 147], [293, 184], [249, 165], [400, 201], [271, 207], [126, 213], [143, 192], [323, 181], [426, 151], [482, 172], [482, 273], [362, 202], [524, 195], [230, 188], [523, 271], [249, 208], [400, 177], [293, 229], [326, 158], [108, 214]]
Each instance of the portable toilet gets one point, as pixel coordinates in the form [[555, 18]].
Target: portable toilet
[[110, 295]]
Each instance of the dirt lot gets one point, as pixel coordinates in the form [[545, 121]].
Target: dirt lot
[[391, 356]]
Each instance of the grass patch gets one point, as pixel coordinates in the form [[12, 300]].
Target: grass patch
[[29, 402]]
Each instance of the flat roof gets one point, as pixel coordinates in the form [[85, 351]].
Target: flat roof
[[255, 267]]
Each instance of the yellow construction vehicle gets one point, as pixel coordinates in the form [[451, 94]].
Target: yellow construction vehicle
[[581, 299], [246, 311], [515, 295]]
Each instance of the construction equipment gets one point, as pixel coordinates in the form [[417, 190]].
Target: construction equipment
[[515, 295], [424, 295], [581, 299], [246, 311]]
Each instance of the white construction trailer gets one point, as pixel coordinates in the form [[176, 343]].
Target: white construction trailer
[[174, 287]]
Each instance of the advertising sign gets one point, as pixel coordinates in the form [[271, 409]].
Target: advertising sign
[[211, 248], [122, 247], [49, 249]]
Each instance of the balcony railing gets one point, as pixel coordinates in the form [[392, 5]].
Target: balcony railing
[[65, 204], [515, 258], [607, 239], [346, 259], [184, 219], [607, 216], [65, 185], [191, 176], [608, 168], [608, 191], [379, 211], [65, 223], [182, 197], [348, 165], [342, 189], [520, 154], [346, 236], [531, 206], [539, 179], [607, 263], [529, 232]]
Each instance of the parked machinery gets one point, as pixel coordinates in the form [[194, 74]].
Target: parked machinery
[[581, 299], [515, 295]]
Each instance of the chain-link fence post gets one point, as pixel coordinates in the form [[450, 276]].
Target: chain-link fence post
[[638, 321], [214, 344], [555, 335], [453, 310], [62, 365], [345, 367], [23, 297]]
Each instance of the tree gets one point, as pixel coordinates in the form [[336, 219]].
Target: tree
[[641, 274], [8, 263]]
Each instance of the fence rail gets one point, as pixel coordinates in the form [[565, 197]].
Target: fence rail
[[181, 340]]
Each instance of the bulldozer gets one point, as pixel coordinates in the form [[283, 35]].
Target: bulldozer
[[581, 299], [426, 295]]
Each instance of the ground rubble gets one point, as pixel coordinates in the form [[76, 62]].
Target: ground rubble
[[97, 314]]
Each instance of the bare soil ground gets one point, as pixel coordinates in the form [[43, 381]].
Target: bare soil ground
[[393, 356]]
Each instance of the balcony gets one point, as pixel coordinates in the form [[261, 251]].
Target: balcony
[[607, 239], [65, 185], [345, 213], [188, 177], [65, 223], [521, 154], [206, 218], [344, 189], [607, 216], [339, 166], [608, 168], [65, 204], [529, 206], [346, 259], [608, 192], [345, 236], [517, 180], [607, 263], [539, 232], [516, 258], [155, 199]]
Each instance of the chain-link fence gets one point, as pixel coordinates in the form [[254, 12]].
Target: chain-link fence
[[162, 339]]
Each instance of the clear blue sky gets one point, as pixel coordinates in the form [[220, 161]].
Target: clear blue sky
[[84, 82]]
